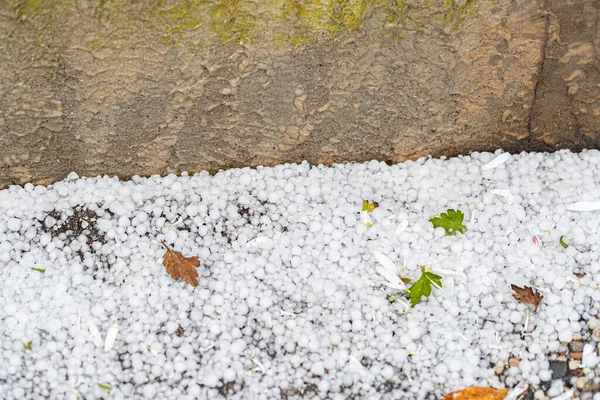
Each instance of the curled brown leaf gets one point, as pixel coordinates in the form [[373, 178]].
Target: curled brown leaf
[[180, 267], [477, 393], [527, 295]]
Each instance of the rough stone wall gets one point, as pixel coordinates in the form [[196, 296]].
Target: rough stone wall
[[138, 88]]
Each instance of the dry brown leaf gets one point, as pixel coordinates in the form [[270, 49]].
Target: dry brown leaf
[[180, 267], [527, 295], [477, 393]]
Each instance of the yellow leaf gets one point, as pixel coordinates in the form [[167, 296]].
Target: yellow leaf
[[477, 393], [367, 206]]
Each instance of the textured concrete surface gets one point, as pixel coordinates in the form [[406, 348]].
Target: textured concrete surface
[[139, 88]]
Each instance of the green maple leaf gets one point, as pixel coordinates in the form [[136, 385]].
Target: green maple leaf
[[422, 286], [451, 221]]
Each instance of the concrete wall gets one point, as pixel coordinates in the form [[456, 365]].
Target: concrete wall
[[151, 87]]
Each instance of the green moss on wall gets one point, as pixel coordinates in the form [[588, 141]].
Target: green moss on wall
[[234, 21], [312, 20], [269, 22], [294, 22]]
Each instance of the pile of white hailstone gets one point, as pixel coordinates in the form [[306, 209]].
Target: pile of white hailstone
[[289, 302]]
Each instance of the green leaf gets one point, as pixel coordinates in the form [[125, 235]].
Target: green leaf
[[105, 387], [451, 221], [369, 206], [563, 243], [27, 346], [422, 286], [38, 270]]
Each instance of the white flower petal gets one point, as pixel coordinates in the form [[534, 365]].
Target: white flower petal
[[365, 218], [399, 302], [590, 358], [401, 227], [384, 261], [472, 217], [391, 281], [449, 272], [584, 206], [258, 364], [356, 365], [257, 241], [387, 269], [565, 396], [95, 333], [501, 159], [517, 390], [109, 342]]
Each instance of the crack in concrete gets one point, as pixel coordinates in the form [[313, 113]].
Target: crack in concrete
[[540, 71]]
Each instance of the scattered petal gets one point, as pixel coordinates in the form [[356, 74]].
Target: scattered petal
[[584, 206], [589, 358], [95, 333], [291, 314], [473, 216], [207, 348], [257, 241], [365, 218], [404, 304], [109, 342], [356, 364], [526, 325], [180, 220], [258, 364], [151, 350], [565, 396], [401, 227], [387, 269], [501, 159], [517, 390], [444, 271]]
